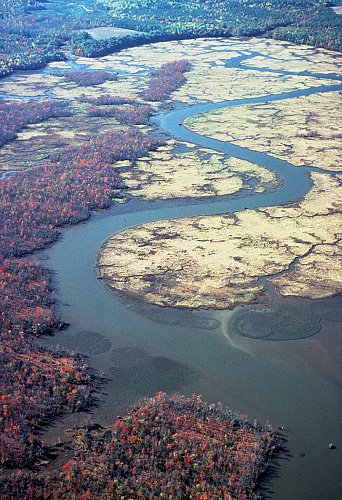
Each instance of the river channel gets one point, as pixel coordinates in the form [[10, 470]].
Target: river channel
[[142, 349]]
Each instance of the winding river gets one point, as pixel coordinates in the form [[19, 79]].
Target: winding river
[[142, 348]]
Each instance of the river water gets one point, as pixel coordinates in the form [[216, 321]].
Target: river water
[[142, 349]]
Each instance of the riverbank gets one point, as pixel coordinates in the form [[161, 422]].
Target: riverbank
[[197, 352], [210, 360], [35, 203], [179, 208], [36, 229], [182, 170], [217, 262], [303, 130], [49, 31], [164, 445]]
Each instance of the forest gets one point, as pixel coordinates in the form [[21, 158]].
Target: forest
[[311, 22], [33, 205], [32, 32], [166, 446], [15, 116]]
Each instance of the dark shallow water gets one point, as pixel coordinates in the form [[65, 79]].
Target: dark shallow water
[[218, 354]]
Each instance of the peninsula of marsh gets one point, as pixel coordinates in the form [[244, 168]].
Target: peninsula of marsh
[[222, 261]]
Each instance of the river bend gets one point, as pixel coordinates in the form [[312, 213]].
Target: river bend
[[142, 348]]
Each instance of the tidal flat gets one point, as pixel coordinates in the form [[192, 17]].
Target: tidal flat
[[182, 170], [303, 130], [217, 261]]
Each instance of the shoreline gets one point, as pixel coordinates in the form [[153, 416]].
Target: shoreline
[[165, 337], [60, 227], [140, 282], [113, 326], [258, 301], [138, 297]]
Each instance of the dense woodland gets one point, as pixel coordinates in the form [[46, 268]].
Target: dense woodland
[[33, 205], [32, 32], [15, 116], [311, 21], [170, 447]]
